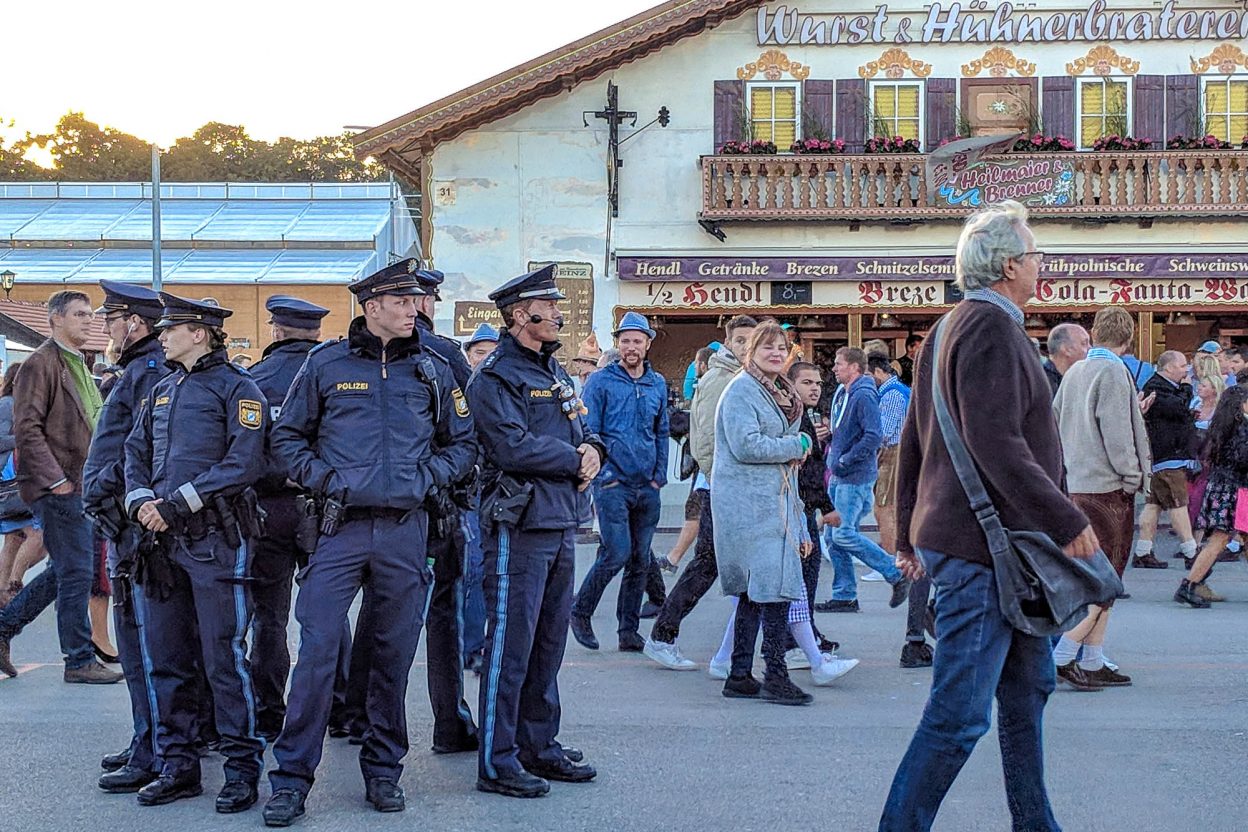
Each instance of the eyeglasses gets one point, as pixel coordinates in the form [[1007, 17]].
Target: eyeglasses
[[1039, 255]]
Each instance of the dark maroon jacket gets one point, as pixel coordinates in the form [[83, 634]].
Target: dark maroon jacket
[[1001, 400]]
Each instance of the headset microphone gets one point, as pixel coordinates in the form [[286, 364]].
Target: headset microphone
[[538, 319]]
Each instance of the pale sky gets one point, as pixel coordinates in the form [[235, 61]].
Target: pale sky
[[280, 68]]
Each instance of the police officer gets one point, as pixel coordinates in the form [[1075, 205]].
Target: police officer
[[538, 456], [196, 446], [453, 728], [130, 315], [296, 328], [374, 423], [483, 342]]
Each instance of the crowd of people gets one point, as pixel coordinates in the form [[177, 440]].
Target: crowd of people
[[447, 482]]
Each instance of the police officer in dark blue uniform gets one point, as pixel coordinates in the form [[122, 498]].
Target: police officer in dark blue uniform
[[538, 456], [296, 329], [453, 728], [130, 315], [374, 423], [195, 449]]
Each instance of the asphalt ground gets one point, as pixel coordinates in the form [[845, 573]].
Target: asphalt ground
[[1169, 753]]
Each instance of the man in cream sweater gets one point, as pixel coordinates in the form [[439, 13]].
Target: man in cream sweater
[[1106, 451]]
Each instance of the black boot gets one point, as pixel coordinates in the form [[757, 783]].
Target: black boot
[[112, 762], [519, 784], [236, 796], [1186, 594], [167, 788], [583, 631], [782, 691], [283, 807], [741, 687], [125, 780], [385, 795]]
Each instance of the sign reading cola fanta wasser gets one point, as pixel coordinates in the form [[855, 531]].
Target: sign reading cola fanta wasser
[[978, 21]]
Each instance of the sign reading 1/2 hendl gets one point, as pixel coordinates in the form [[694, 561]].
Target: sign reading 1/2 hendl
[[977, 22]]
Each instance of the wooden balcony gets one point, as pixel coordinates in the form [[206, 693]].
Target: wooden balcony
[[894, 188]]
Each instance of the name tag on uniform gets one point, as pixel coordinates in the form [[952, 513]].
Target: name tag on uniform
[[161, 400], [351, 385], [541, 394]]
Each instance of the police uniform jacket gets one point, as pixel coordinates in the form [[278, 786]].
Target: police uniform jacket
[[104, 475], [526, 433], [200, 434], [274, 374], [384, 425], [447, 348]]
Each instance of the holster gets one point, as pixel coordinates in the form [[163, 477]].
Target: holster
[[506, 504], [308, 528], [442, 510], [154, 567]]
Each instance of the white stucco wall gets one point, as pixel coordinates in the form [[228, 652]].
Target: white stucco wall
[[533, 186]]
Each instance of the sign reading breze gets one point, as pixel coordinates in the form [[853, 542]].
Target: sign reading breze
[[977, 22]]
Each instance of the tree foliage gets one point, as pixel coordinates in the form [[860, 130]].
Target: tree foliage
[[83, 151]]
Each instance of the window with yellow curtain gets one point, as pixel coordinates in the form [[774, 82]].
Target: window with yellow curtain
[[1226, 108], [1103, 109], [774, 112], [896, 109]]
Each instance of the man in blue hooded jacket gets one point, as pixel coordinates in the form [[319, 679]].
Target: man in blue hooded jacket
[[627, 404], [851, 459]]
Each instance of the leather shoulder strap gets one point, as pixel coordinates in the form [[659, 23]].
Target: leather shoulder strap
[[963, 465]]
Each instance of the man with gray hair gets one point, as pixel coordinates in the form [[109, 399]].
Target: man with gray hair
[[1068, 343], [1016, 448]]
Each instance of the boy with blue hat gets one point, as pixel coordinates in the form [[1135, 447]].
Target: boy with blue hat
[[483, 342], [627, 407]]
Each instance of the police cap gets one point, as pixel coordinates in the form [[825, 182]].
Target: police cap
[[285, 310], [430, 280], [396, 279], [539, 284], [130, 299], [182, 311]]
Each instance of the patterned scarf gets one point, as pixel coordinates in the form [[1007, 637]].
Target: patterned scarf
[[782, 391]]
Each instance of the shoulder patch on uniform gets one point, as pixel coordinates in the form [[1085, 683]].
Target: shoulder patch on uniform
[[250, 415], [461, 403]]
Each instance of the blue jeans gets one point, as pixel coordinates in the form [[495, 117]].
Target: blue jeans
[[978, 656], [66, 580], [627, 517], [474, 593], [846, 542]]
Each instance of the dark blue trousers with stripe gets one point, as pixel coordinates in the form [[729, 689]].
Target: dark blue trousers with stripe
[[528, 600], [387, 559], [136, 664], [202, 623]]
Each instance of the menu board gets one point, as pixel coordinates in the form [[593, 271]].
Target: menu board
[[576, 280]]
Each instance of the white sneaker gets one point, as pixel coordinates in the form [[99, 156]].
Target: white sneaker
[[796, 659], [872, 576], [668, 655], [831, 670], [719, 671]]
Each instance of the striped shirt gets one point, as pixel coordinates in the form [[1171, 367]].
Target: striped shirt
[[892, 412]]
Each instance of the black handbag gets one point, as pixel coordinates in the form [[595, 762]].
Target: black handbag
[[11, 505], [1041, 590]]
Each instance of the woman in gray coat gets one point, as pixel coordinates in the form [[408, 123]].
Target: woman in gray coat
[[760, 528]]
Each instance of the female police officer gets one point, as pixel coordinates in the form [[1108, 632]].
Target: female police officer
[[196, 446]]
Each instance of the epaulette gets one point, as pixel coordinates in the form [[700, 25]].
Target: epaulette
[[490, 360], [242, 371], [323, 345]]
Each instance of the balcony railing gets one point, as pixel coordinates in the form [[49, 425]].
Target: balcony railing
[[886, 187]]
